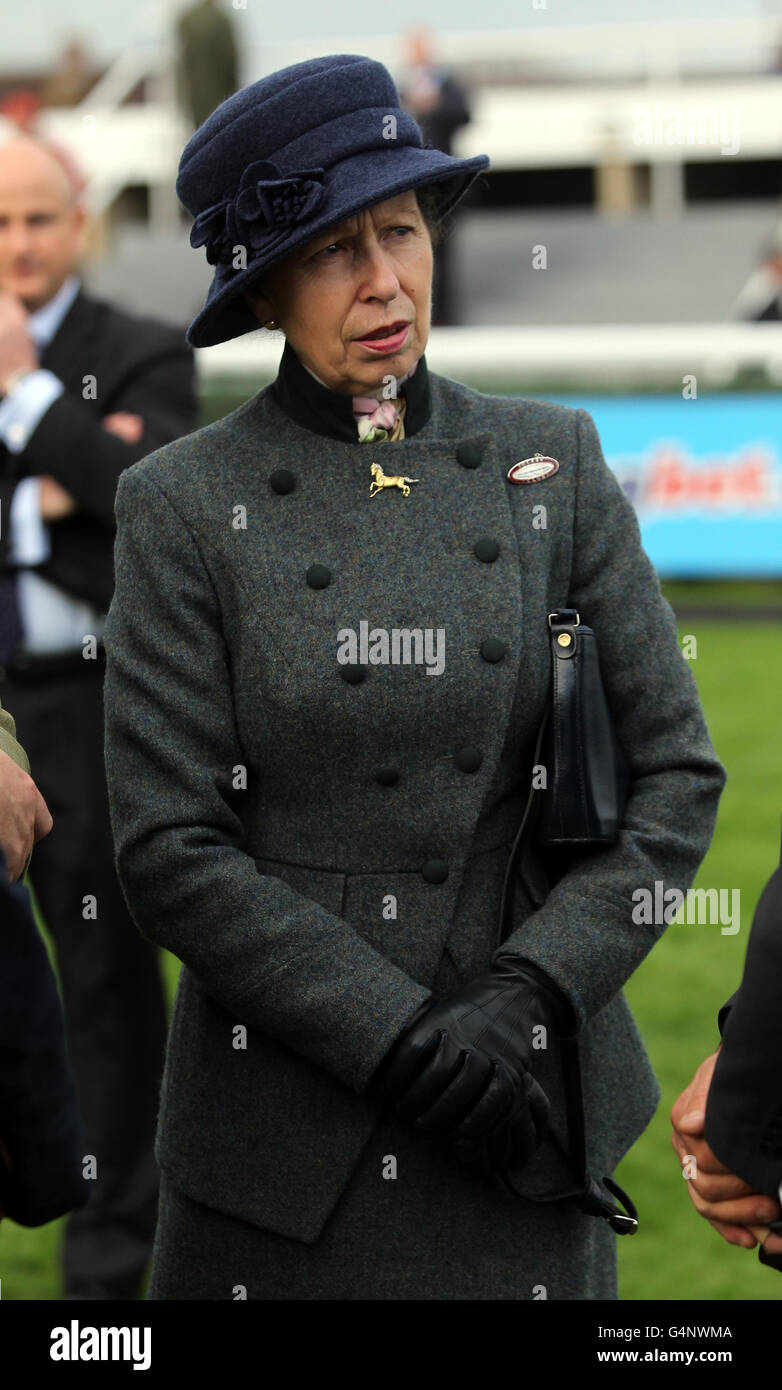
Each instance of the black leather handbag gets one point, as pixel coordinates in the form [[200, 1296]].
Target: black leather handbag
[[585, 799], [582, 803]]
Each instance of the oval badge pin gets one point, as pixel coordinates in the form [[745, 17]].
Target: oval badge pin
[[533, 470]]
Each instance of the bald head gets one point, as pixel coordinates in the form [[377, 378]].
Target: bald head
[[42, 219], [31, 163]]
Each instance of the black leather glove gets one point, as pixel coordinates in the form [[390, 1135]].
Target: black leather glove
[[462, 1068]]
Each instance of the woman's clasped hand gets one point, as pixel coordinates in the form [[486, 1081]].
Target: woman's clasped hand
[[462, 1069]]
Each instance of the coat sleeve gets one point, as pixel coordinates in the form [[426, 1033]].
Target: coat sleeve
[[8, 740], [584, 935], [274, 958], [724, 1012], [43, 1143], [743, 1124]]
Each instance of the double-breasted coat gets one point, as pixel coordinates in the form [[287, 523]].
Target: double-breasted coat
[[322, 852]]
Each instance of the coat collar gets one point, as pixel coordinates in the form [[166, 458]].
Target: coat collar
[[330, 413]]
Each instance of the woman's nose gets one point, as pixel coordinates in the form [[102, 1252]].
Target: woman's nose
[[380, 279]]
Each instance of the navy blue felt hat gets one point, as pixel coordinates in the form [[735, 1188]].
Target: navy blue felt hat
[[286, 158]]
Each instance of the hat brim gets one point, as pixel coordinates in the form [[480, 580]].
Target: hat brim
[[226, 314]]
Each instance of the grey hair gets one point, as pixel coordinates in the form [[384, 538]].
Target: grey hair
[[428, 197]]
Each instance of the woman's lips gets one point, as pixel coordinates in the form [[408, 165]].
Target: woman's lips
[[391, 344]]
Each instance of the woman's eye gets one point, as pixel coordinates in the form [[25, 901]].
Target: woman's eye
[[337, 245]]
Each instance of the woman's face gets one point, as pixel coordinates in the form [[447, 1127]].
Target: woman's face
[[372, 271]]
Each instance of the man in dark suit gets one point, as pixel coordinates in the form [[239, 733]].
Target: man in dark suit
[[41, 1134], [207, 68], [85, 391], [730, 1116], [441, 107]]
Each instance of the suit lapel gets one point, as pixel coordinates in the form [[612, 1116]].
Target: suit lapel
[[64, 354]]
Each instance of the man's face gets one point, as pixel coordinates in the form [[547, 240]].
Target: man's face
[[374, 270], [42, 227]]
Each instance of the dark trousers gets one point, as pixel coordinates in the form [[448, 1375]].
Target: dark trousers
[[113, 998]]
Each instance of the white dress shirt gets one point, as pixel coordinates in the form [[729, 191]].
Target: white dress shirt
[[52, 621]]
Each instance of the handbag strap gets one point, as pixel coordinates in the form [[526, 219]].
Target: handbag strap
[[587, 1194]]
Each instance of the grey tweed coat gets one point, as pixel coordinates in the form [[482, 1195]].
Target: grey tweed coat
[[322, 852]]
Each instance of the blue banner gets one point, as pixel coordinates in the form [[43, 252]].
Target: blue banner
[[704, 476]]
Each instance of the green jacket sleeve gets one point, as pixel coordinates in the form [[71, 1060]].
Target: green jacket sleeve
[[8, 742], [9, 745]]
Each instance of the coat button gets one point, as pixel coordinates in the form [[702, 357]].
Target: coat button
[[493, 649], [469, 455], [486, 550], [353, 672], [387, 776], [282, 480], [435, 871], [318, 576], [468, 759]]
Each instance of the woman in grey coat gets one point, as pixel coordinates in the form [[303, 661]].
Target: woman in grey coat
[[327, 665]]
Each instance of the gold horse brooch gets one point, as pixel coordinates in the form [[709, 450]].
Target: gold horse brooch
[[381, 480]]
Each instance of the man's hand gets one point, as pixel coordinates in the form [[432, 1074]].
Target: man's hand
[[728, 1203], [24, 815], [124, 425], [55, 501], [17, 349]]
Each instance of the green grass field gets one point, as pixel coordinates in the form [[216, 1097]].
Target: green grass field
[[677, 991], [674, 995]]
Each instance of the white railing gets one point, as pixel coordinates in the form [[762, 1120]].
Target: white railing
[[520, 126], [662, 124], [627, 49], [623, 353]]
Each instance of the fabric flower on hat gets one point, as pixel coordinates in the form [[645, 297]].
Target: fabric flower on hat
[[259, 217], [211, 229]]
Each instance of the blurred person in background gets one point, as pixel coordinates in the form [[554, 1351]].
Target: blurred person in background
[[84, 391], [207, 66], [439, 104], [760, 299], [729, 1118], [42, 1145], [72, 76], [22, 108]]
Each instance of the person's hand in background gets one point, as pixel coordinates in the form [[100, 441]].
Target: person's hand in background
[[24, 815], [55, 501], [17, 349], [125, 425], [729, 1204]]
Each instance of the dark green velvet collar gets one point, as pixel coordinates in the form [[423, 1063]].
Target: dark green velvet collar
[[327, 412]]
